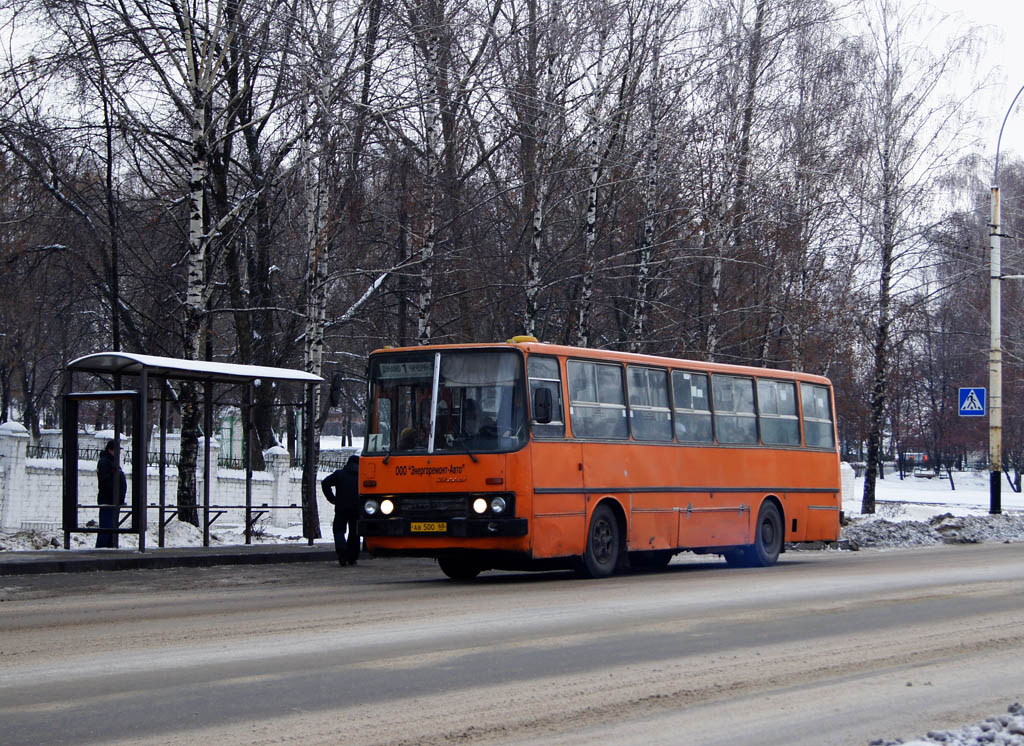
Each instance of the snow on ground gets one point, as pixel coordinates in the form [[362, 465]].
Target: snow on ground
[[176, 534], [917, 511]]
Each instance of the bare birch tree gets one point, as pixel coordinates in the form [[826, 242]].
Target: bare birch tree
[[334, 118], [538, 87], [915, 133], [619, 60]]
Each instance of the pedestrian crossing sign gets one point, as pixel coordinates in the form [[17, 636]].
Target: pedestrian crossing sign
[[972, 402]]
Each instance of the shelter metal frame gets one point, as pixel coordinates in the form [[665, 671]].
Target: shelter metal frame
[[165, 369]]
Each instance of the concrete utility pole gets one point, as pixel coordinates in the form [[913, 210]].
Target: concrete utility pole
[[995, 358]]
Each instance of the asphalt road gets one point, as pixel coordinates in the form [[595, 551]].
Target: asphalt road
[[825, 648]]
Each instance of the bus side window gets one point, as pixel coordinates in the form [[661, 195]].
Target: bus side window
[[776, 404], [693, 407], [818, 431], [735, 421], [596, 402], [544, 373], [649, 415]]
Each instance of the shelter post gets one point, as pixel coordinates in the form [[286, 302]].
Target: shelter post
[[207, 427], [310, 531], [140, 459], [69, 437], [163, 462], [247, 456]]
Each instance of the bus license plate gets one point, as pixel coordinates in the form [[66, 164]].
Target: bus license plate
[[429, 527]]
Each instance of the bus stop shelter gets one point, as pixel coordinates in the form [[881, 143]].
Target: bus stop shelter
[[143, 371]]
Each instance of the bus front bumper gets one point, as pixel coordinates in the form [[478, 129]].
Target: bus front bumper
[[458, 527]]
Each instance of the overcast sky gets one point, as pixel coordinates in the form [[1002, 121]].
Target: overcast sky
[[1001, 24]]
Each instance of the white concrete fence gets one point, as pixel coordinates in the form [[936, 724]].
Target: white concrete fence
[[31, 489]]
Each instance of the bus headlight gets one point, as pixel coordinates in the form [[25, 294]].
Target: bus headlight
[[480, 506], [498, 505], [387, 507], [370, 506]]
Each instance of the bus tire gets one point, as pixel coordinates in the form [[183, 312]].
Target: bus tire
[[601, 555], [459, 569], [767, 537], [767, 540], [735, 557]]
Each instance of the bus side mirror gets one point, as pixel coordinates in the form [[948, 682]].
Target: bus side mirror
[[542, 406]]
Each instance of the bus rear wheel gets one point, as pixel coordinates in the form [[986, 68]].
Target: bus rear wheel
[[767, 540], [601, 555], [458, 568]]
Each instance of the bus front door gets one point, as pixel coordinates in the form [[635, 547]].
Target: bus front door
[[559, 504]]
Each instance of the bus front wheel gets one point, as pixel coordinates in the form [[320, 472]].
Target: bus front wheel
[[601, 555], [458, 568], [767, 540]]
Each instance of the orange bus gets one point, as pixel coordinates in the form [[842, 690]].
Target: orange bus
[[526, 455]]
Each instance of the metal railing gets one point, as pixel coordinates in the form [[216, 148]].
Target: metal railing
[[57, 452], [92, 454], [327, 461]]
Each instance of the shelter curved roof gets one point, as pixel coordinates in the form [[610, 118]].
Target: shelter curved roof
[[128, 363]]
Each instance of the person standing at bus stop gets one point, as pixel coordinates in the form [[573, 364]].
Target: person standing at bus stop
[[112, 489], [341, 488]]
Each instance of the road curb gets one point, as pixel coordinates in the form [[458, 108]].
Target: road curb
[[34, 563]]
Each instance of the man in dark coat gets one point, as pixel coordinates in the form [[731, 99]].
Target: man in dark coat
[[112, 488], [341, 489]]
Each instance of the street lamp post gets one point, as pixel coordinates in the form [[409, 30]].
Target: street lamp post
[[995, 358]]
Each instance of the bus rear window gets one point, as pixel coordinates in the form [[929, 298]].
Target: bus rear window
[[818, 430]]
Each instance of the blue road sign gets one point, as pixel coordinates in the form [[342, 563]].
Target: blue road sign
[[972, 402]]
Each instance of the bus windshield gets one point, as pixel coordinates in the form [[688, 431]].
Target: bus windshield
[[475, 400]]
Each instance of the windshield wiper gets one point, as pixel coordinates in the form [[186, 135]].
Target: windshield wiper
[[463, 447]]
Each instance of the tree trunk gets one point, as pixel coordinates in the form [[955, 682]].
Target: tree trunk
[[590, 227], [188, 400], [645, 254], [195, 312], [424, 320], [880, 350]]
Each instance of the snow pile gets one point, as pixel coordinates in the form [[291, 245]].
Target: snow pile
[[21, 541], [869, 531], [1000, 730], [921, 512], [880, 532]]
